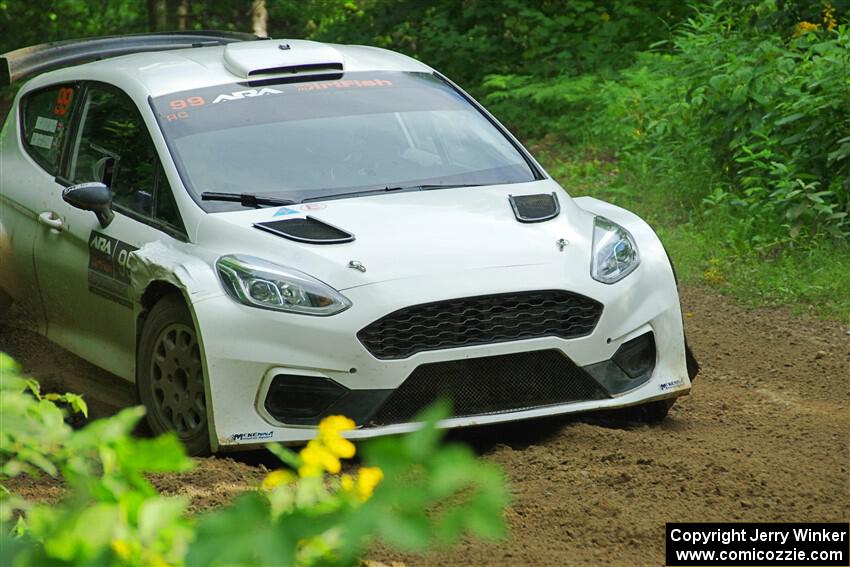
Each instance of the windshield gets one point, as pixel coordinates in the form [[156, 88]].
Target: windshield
[[306, 140]]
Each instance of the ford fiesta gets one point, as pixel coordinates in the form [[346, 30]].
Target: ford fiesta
[[263, 233]]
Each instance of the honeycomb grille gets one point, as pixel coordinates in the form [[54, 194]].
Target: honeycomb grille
[[480, 320], [492, 384]]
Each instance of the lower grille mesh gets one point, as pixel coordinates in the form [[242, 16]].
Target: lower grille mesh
[[492, 384]]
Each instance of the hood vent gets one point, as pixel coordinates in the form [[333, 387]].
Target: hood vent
[[535, 208], [309, 230], [263, 58], [311, 68]]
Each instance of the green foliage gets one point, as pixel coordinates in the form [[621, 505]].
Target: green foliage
[[420, 475], [30, 22], [39, 428], [413, 492], [775, 112], [469, 40], [750, 124], [103, 466]]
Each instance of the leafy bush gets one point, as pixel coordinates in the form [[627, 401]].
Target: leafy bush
[[468, 40], [775, 112], [413, 492], [761, 116]]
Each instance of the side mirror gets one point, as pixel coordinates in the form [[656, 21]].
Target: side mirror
[[94, 197]]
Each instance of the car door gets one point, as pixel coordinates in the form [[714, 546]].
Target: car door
[[82, 267], [31, 147]]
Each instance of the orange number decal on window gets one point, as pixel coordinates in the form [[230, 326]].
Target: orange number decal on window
[[63, 101], [180, 104]]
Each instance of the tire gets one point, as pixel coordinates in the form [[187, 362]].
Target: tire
[[655, 412], [650, 413], [170, 375]]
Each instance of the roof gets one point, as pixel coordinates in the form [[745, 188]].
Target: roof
[[163, 72]]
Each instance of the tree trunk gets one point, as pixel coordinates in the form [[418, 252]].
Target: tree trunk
[[259, 18], [157, 15], [182, 14], [171, 10]]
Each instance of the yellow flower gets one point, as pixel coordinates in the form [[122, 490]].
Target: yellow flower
[[803, 28], [340, 447], [367, 480], [317, 458], [829, 21], [605, 16], [713, 275], [305, 471], [346, 482], [323, 453], [333, 425], [121, 549], [276, 478]]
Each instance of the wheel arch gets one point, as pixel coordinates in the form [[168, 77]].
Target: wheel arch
[[155, 291]]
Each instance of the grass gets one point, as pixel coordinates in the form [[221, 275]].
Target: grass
[[812, 277]]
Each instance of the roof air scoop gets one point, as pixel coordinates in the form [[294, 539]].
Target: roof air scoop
[[245, 60]]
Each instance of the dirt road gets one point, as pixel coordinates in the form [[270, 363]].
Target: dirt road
[[765, 436]]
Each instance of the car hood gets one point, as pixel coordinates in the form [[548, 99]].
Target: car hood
[[406, 235]]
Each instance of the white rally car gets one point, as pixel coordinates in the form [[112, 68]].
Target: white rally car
[[263, 233]]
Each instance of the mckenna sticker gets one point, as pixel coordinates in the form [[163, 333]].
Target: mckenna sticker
[[670, 385], [255, 436]]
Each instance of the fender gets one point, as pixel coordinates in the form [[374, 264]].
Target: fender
[[628, 220], [156, 264]]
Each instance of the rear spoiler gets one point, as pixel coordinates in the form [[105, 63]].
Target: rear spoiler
[[28, 61]]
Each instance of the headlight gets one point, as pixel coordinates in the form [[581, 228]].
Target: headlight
[[615, 254], [258, 283]]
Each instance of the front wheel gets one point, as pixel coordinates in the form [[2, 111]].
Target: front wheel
[[654, 412], [170, 375]]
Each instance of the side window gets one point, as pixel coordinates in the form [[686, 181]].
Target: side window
[[165, 209], [113, 146], [46, 116]]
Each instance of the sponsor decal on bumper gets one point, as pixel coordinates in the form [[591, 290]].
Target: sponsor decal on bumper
[[671, 385], [254, 436]]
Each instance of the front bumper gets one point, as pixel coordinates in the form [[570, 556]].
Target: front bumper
[[246, 348]]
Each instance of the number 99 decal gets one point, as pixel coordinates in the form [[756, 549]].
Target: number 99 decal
[[181, 103], [63, 101]]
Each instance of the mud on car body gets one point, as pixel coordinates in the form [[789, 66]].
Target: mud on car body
[[263, 233]]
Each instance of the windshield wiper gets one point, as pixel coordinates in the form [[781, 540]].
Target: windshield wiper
[[430, 186], [420, 187], [352, 194], [246, 199]]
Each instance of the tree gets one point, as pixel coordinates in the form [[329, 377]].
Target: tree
[[157, 15], [259, 18]]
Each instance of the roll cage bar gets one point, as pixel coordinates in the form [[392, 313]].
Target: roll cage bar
[[28, 61]]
